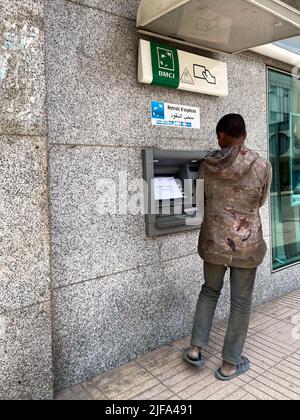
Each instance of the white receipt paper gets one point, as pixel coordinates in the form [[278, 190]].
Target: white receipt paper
[[166, 188]]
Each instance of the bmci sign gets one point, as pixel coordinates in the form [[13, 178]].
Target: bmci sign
[[163, 65], [163, 73]]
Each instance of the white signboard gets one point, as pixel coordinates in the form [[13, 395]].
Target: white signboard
[[172, 115], [163, 65]]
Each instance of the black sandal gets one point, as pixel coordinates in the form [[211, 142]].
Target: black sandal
[[195, 362], [241, 368]]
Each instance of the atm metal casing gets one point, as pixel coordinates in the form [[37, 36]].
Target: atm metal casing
[[182, 165]]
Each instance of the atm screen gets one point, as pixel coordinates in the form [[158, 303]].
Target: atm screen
[[166, 188]]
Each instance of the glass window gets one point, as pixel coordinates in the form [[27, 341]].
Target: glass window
[[291, 44], [284, 129]]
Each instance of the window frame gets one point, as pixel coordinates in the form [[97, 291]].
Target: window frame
[[280, 71]]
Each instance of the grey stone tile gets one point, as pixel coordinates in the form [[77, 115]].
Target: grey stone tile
[[243, 74], [178, 245], [24, 225], [265, 214], [92, 55], [26, 354], [86, 243], [285, 281], [122, 8], [263, 291], [270, 286], [103, 323], [22, 68], [267, 61]]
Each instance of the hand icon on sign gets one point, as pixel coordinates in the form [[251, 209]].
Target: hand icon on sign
[[201, 72], [209, 77]]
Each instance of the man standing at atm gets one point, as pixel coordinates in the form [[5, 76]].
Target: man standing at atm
[[237, 183]]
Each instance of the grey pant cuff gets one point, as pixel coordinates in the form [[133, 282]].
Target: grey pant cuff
[[198, 343], [230, 360]]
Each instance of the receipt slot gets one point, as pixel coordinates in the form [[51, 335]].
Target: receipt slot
[[174, 194]]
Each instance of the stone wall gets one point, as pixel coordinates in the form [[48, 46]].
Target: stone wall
[[25, 308]]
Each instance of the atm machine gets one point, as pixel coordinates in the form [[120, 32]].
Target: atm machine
[[174, 194]]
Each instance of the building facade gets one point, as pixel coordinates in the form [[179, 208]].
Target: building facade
[[82, 292]]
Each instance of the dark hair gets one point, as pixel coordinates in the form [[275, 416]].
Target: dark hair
[[233, 125]]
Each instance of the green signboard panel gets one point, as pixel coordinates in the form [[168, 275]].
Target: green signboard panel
[[165, 65]]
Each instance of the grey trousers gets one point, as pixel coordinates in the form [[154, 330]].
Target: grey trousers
[[242, 284]]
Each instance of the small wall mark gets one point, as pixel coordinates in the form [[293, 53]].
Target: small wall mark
[[15, 39], [2, 335], [3, 67]]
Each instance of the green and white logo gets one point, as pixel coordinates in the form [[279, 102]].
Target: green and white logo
[[165, 59], [165, 65]]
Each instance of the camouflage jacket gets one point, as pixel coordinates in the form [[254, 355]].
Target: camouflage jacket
[[237, 183]]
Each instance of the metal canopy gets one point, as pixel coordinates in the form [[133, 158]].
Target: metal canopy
[[221, 25]]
